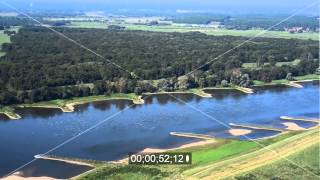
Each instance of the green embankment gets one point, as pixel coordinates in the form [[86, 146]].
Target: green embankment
[[202, 156], [232, 148], [206, 30], [9, 112], [307, 159], [284, 81], [67, 104], [308, 77]]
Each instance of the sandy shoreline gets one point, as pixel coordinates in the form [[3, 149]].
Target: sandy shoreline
[[17, 177], [64, 160], [201, 94], [239, 132], [70, 107], [15, 117], [300, 119], [293, 126]]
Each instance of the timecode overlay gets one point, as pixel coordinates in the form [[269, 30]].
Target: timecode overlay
[[177, 158]]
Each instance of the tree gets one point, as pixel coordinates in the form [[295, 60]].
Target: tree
[[224, 83], [185, 82], [99, 87], [245, 80], [289, 77], [202, 82], [272, 60], [138, 90]]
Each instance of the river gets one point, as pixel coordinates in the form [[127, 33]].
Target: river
[[142, 126]]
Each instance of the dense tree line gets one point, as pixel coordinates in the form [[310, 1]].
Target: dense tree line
[[15, 21], [250, 22], [245, 22], [40, 65]]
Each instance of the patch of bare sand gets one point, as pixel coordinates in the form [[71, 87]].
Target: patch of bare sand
[[239, 132], [16, 177], [293, 126]]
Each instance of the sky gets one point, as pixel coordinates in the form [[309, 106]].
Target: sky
[[179, 6]]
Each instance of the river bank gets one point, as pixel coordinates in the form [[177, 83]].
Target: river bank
[[68, 105], [9, 112]]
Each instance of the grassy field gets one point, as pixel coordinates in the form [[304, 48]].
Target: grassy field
[[209, 31], [256, 159], [283, 81], [223, 153], [232, 148], [308, 159], [279, 64], [307, 77], [3, 39]]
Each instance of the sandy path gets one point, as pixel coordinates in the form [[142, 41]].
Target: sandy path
[[293, 126], [239, 132], [255, 159]]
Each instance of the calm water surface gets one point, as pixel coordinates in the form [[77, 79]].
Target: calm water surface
[[142, 126]]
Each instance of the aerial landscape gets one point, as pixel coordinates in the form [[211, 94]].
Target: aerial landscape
[[159, 89]]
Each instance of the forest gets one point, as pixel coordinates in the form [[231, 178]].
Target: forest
[[245, 22], [40, 65]]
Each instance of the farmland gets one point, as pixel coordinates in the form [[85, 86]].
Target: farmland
[[206, 30]]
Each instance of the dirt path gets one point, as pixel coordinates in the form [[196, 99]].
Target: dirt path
[[255, 159]]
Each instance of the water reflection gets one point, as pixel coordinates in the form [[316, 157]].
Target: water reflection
[[104, 105], [147, 125], [277, 88], [54, 169], [221, 94], [164, 99], [39, 112], [4, 117]]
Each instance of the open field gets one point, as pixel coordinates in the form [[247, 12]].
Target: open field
[[308, 77], [308, 159], [256, 159], [4, 38], [209, 31], [284, 81], [254, 65]]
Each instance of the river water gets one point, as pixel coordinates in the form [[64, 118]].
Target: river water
[[143, 126]]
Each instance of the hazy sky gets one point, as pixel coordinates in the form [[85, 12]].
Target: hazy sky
[[244, 6]]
